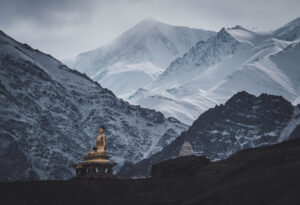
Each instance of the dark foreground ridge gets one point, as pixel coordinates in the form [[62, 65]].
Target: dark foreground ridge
[[266, 175]]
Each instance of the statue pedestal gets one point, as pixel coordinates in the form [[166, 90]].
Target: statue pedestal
[[96, 163], [95, 166], [97, 157], [94, 170]]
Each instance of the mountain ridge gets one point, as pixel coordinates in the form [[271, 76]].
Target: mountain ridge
[[142, 53], [235, 59], [244, 121]]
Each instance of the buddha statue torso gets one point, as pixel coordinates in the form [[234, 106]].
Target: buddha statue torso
[[101, 143], [100, 148], [98, 153]]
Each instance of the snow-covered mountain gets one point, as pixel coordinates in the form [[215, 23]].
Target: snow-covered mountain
[[289, 32], [244, 121], [50, 115], [277, 72], [235, 59], [274, 69], [139, 55], [201, 56]]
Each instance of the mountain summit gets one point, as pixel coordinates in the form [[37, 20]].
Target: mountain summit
[[234, 60], [139, 55], [290, 31]]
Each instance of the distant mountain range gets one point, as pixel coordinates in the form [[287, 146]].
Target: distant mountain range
[[244, 121], [138, 56], [50, 115], [235, 59], [208, 70]]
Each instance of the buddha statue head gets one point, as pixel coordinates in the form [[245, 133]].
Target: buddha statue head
[[101, 130]]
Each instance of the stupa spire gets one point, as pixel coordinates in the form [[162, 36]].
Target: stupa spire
[[186, 149]]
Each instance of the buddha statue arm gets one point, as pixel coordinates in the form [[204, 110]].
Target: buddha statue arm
[[104, 142], [98, 142]]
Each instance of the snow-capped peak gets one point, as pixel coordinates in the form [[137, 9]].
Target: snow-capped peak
[[294, 23], [224, 34], [149, 22], [245, 35], [143, 29], [289, 32], [143, 51], [235, 59], [204, 54]]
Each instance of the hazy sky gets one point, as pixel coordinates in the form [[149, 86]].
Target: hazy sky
[[65, 28]]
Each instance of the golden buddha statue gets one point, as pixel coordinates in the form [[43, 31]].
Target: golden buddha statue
[[98, 153], [101, 142], [96, 163]]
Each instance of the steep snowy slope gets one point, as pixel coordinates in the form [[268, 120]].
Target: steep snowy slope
[[182, 103], [202, 55], [139, 54], [289, 32], [244, 121], [50, 115], [181, 91], [278, 73], [235, 59]]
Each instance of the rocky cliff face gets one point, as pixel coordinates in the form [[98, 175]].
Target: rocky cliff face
[[244, 121], [50, 115]]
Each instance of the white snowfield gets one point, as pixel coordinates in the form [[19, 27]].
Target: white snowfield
[[138, 56], [212, 71], [183, 72]]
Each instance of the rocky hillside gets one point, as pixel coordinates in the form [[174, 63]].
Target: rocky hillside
[[244, 121], [50, 115]]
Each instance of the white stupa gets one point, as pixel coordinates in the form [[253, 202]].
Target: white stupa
[[186, 149]]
